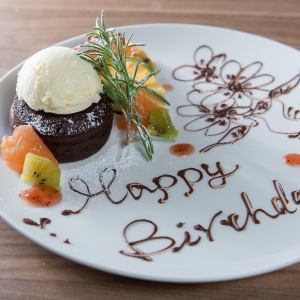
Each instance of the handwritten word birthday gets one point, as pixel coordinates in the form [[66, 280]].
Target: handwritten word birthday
[[280, 202]]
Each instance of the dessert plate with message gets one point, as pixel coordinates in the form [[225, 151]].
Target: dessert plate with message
[[228, 210]]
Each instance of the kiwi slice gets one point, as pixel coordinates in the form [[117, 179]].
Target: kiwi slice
[[38, 170], [160, 124]]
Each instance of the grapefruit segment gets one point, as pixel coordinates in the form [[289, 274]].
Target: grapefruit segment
[[145, 104], [23, 140]]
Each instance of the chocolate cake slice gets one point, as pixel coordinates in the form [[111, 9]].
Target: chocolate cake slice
[[70, 137]]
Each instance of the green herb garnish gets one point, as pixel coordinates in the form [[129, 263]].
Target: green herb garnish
[[108, 55]]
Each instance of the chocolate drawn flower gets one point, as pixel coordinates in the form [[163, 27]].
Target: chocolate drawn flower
[[237, 85], [228, 99], [206, 66], [213, 120]]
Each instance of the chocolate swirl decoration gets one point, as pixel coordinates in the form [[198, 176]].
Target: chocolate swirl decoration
[[228, 100]]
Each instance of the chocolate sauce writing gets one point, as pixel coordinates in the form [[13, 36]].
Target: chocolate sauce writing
[[217, 178], [41, 224], [281, 205]]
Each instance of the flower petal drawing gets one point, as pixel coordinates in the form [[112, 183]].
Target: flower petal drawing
[[187, 73], [229, 71], [232, 136], [189, 110], [210, 99], [258, 81], [243, 99], [203, 55], [251, 70]]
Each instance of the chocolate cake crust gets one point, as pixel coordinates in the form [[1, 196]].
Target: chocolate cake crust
[[70, 137]]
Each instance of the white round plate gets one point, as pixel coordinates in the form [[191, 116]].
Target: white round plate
[[236, 99]]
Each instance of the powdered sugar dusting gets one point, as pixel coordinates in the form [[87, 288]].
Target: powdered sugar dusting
[[115, 157], [72, 124]]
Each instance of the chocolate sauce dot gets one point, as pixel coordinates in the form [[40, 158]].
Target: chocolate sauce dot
[[180, 224], [67, 212]]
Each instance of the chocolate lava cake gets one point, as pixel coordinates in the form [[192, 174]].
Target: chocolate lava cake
[[70, 137]]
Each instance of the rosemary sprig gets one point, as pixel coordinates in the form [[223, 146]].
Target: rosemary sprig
[[109, 56]]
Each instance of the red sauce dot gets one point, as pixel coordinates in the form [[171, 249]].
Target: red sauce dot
[[182, 150], [292, 159], [168, 87]]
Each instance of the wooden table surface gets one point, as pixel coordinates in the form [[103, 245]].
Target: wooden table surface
[[30, 272]]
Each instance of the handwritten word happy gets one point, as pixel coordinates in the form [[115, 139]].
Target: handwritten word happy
[[217, 178]]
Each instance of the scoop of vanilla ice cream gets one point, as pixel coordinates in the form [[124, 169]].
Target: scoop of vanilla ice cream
[[57, 80]]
